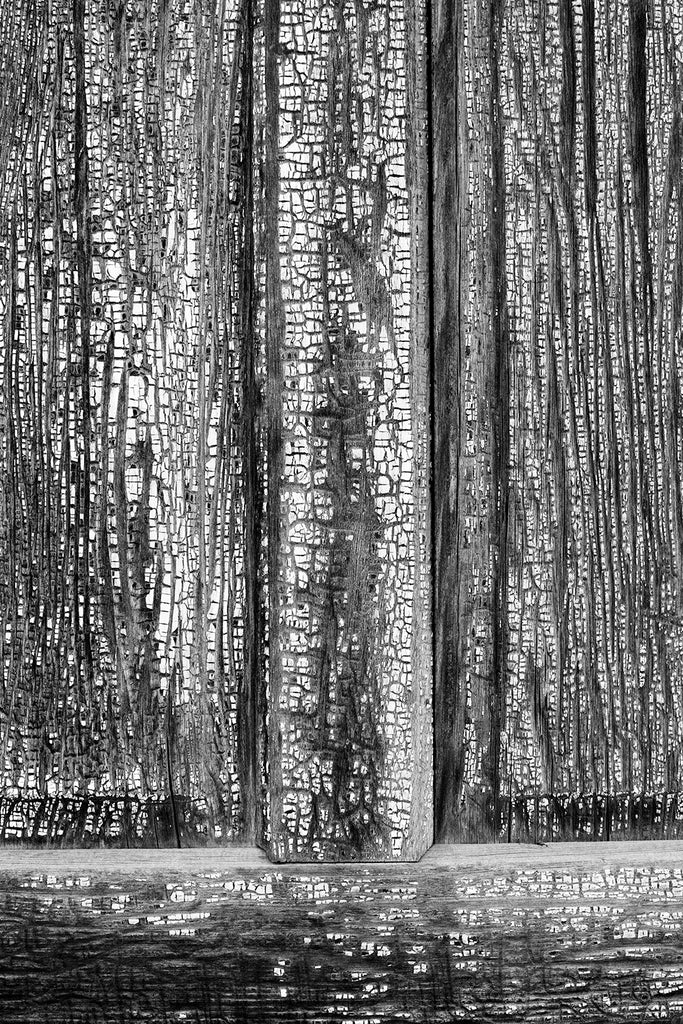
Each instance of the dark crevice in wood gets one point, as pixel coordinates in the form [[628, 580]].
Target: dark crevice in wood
[[445, 45], [84, 266], [471, 366], [252, 696], [500, 414], [439, 799], [273, 412]]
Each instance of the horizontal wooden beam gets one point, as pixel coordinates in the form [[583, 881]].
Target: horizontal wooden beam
[[474, 859], [484, 932]]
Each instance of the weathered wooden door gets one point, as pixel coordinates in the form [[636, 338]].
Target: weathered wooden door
[[323, 323], [215, 520]]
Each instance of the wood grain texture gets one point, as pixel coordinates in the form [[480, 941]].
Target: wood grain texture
[[214, 521], [239, 239], [470, 416], [556, 191], [129, 534], [344, 225], [466, 934]]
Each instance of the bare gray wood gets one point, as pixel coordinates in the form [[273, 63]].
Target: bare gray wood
[[473, 860]]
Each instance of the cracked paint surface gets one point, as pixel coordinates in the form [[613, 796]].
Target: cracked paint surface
[[363, 944]]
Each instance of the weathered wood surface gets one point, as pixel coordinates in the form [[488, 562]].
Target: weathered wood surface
[[221, 225], [129, 822], [125, 523], [470, 352], [213, 424], [345, 222], [582, 933], [557, 196]]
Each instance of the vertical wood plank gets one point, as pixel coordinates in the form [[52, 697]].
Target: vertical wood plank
[[251, 743], [558, 535], [131, 604], [345, 315], [471, 415]]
